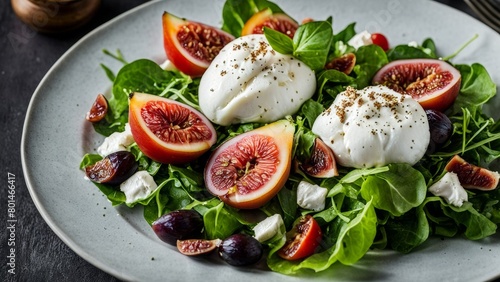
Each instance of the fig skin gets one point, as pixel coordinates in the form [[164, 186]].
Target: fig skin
[[435, 84], [226, 173], [441, 129], [322, 162], [161, 150], [190, 60], [113, 169], [472, 176], [179, 225], [240, 250]]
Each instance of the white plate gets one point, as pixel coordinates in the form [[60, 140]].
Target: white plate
[[120, 242]]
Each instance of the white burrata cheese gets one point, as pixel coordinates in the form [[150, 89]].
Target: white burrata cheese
[[269, 227], [311, 196], [450, 189], [117, 141], [250, 82], [373, 127], [138, 186]]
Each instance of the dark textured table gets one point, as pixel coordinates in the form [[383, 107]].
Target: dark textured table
[[25, 57]]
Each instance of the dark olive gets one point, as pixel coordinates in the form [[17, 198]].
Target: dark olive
[[240, 250], [113, 169], [179, 225]]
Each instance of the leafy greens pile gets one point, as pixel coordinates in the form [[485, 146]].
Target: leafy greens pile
[[384, 207]]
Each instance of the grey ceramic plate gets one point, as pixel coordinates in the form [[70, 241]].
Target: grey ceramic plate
[[120, 242]]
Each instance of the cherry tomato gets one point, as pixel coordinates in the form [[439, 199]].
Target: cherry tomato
[[302, 240], [380, 40]]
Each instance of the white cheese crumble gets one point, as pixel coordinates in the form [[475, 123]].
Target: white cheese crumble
[[361, 39], [117, 141], [374, 127], [268, 228], [250, 82], [450, 189], [138, 187], [311, 196]]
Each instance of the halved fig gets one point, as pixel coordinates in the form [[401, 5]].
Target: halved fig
[[248, 170], [195, 247], [168, 131], [191, 46], [322, 163], [265, 18], [472, 176], [98, 110], [113, 169], [344, 63], [433, 83]]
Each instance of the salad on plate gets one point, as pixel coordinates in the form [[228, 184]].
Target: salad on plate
[[291, 142]]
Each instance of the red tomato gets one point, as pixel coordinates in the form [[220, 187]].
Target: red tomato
[[380, 40], [302, 240]]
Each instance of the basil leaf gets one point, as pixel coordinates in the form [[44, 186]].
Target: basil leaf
[[279, 41], [311, 43]]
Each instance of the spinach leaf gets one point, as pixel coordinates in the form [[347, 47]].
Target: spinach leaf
[[408, 231], [220, 221], [401, 52], [235, 13], [476, 88], [369, 59], [397, 191]]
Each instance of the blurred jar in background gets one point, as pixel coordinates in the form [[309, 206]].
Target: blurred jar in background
[[55, 16]]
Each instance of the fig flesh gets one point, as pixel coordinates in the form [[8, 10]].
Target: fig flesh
[[240, 250], [168, 131], [433, 83], [344, 63], [195, 247], [322, 163], [191, 46], [266, 18], [248, 170], [113, 169], [179, 225], [98, 110], [472, 176]]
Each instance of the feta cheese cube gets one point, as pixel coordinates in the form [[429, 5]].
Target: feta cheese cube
[[118, 141], [138, 187], [311, 196], [450, 189], [269, 227]]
